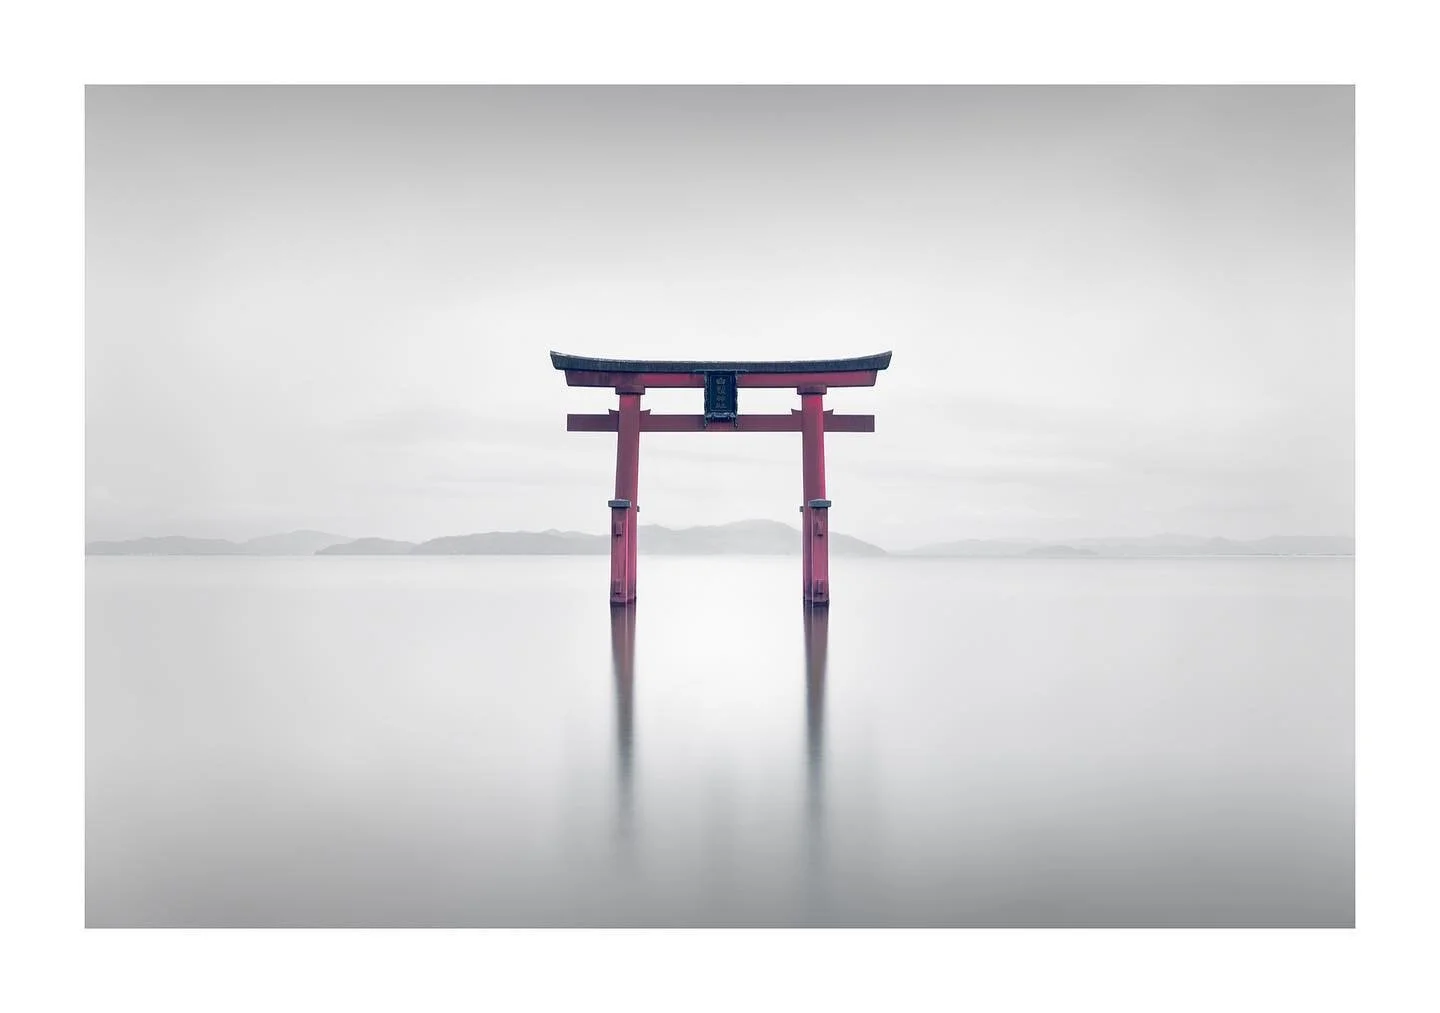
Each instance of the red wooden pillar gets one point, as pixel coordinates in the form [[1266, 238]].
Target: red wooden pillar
[[815, 511], [623, 507]]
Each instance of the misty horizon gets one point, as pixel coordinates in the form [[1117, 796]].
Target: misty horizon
[[1176, 537], [229, 533]]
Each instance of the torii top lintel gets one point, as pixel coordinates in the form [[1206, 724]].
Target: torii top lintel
[[582, 371]]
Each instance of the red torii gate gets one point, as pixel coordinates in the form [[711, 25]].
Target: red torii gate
[[721, 381]]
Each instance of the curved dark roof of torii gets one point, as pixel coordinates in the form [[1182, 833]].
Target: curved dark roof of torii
[[864, 362]]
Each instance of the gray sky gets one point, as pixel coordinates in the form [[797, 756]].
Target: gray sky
[[1114, 311]]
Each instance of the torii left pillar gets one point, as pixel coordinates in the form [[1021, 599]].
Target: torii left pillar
[[624, 525]]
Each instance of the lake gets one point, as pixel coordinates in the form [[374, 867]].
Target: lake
[[482, 741]]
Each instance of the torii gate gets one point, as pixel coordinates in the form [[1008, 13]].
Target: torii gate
[[721, 381]]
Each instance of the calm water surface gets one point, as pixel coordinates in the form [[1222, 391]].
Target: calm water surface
[[481, 741]]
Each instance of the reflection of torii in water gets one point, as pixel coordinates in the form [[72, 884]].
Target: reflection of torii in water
[[817, 637], [622, 651]]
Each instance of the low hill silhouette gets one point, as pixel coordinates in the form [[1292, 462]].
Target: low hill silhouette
[[166, 545], [1152, 546], [1059, 552], [750, 537], [759, 538], [291, 543], [368, 547]]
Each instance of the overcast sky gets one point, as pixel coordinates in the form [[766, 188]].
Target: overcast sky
[[1114, 311]]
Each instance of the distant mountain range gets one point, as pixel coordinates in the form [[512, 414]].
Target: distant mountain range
[[293, 543], [762, 538], [755, 537], [1154, 545]]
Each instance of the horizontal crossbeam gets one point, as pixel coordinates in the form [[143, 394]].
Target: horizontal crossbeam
[[610, 423]]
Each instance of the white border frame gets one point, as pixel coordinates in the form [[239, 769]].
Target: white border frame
[[51, 51]]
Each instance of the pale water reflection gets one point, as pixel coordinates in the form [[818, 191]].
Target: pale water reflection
[[622, 647], [478, 741]]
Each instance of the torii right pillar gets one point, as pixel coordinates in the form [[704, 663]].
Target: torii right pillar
[[815, 508]]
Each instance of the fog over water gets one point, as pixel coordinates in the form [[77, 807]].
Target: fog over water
[[481, 741]]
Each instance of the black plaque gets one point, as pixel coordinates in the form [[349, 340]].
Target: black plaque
[[720, 396]]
